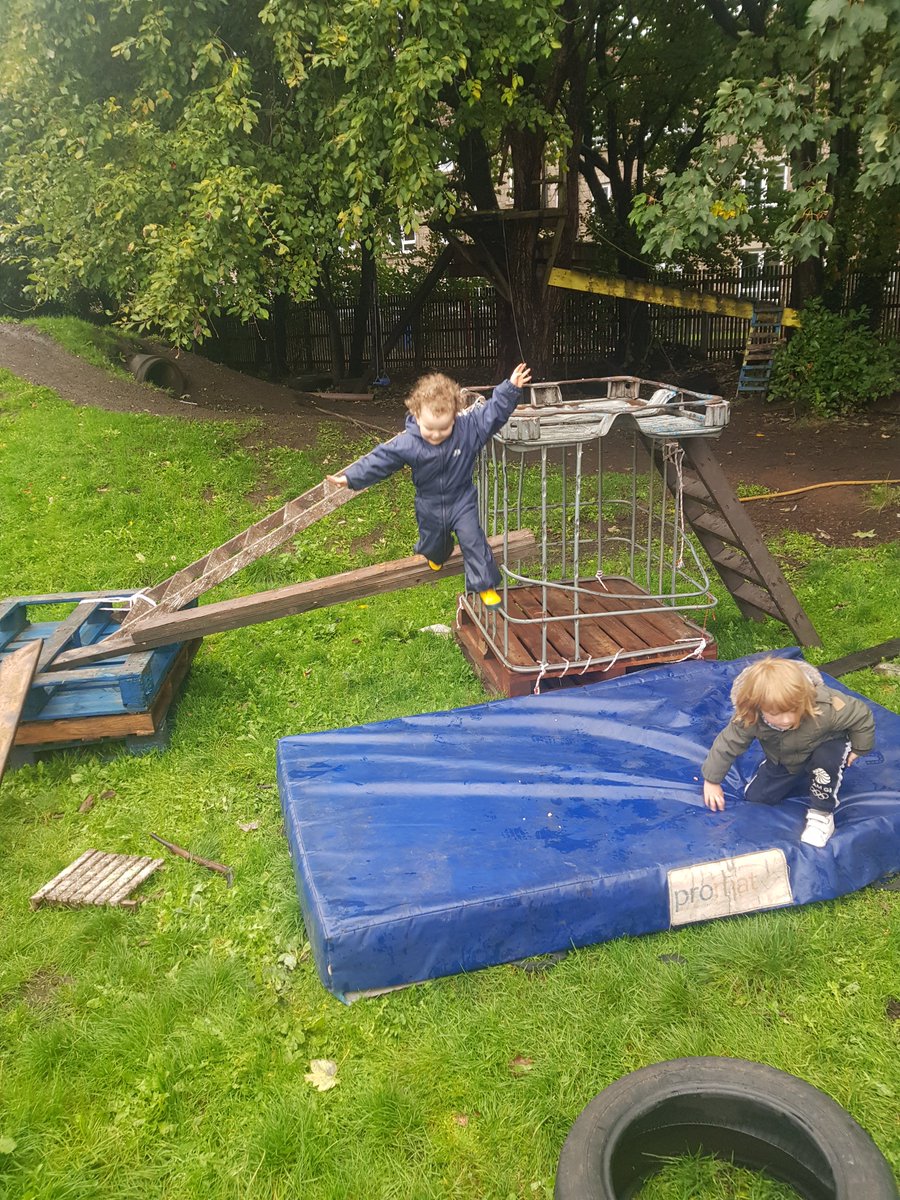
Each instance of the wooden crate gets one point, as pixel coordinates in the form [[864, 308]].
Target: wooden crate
[[514, 666], [127, 697]]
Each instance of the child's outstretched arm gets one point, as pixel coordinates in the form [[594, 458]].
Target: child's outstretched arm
[[488, 418], [729, 745], [860, 726], [378, 464]]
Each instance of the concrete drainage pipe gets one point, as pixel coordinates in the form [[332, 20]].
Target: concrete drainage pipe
[[161, 372]]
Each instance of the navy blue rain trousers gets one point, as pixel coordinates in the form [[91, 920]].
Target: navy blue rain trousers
[[446, 499]]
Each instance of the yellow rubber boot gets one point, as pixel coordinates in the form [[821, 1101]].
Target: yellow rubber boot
[[490, 598], [434, 566]]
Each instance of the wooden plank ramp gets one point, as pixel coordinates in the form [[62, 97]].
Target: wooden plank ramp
[[238, 552], [16, 674], [165, 628], [97, 877], [658, 293]]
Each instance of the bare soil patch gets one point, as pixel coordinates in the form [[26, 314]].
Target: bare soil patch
[[764, 444]]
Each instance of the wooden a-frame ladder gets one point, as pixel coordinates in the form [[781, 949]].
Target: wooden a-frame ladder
[[733, 543]]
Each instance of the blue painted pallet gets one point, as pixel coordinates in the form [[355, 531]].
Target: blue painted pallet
[[123, 697]]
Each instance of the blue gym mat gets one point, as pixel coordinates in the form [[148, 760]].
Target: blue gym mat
[[434, 844]]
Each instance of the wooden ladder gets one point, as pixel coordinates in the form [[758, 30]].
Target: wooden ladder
[[215, 567], [764, 337], [732, 541]]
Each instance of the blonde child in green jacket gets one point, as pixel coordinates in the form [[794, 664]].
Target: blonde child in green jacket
[[804, 728]]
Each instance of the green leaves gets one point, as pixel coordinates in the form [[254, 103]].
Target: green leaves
[[833, 365], [191, 159]]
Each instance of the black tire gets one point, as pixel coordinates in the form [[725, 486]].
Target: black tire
[[747, 1113]]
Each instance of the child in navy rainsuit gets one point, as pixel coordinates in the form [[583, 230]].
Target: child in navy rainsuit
[[440, 443]]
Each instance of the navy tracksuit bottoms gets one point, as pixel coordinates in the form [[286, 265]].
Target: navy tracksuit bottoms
[[824, 770]]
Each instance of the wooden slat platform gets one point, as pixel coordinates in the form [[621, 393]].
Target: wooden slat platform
[[618, 632], [97, 878], [127, 697], [53, 734]]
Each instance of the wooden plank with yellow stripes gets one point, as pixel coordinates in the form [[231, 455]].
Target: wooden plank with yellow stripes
[[657, 293]]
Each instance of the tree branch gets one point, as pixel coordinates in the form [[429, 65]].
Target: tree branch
[[723, 17]]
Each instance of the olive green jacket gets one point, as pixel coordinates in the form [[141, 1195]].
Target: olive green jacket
[[837, 715]]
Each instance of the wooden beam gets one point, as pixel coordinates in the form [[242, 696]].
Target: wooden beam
[[555, 243], [481, 259], [416, 302], [507, 214], [168, 627], [657, 293], [862, 659], [65, 631], [16, 673]]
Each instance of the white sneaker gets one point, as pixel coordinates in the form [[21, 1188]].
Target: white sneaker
[[819, 828]]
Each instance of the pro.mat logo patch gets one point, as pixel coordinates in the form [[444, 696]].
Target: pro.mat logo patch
[[729, 886]]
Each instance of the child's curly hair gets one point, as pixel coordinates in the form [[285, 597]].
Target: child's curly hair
[[437, 392], [772, 685]]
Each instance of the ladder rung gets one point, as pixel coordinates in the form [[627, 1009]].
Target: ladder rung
[[759, 599], [709, 523], [696, 490], [737, 563]]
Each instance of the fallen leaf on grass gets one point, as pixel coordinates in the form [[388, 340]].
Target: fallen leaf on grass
[[868, 533], [823, 534], [87, 804], [248, 826], [461, 1119], [7, 1145], [322, 1074], [520, 1065], [108, 794]]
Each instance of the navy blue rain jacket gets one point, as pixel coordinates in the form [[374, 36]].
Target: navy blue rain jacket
[[442, 475], [446, 499]]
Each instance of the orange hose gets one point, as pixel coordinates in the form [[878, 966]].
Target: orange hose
[[812, 487]]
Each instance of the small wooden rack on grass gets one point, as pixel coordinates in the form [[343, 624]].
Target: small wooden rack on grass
[[97, 878]]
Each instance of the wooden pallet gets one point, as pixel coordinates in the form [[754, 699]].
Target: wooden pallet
[[97, 878], [620, 643], [127, 697]]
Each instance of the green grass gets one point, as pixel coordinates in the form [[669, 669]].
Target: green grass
[[100, 345], [884, 495], [162, 1053]]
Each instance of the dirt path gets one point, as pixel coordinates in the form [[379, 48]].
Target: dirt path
[[761, 445]]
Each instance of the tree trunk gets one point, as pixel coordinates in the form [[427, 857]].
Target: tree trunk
[[276, 339], [806, 282], [335, 335], [361, 311]]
